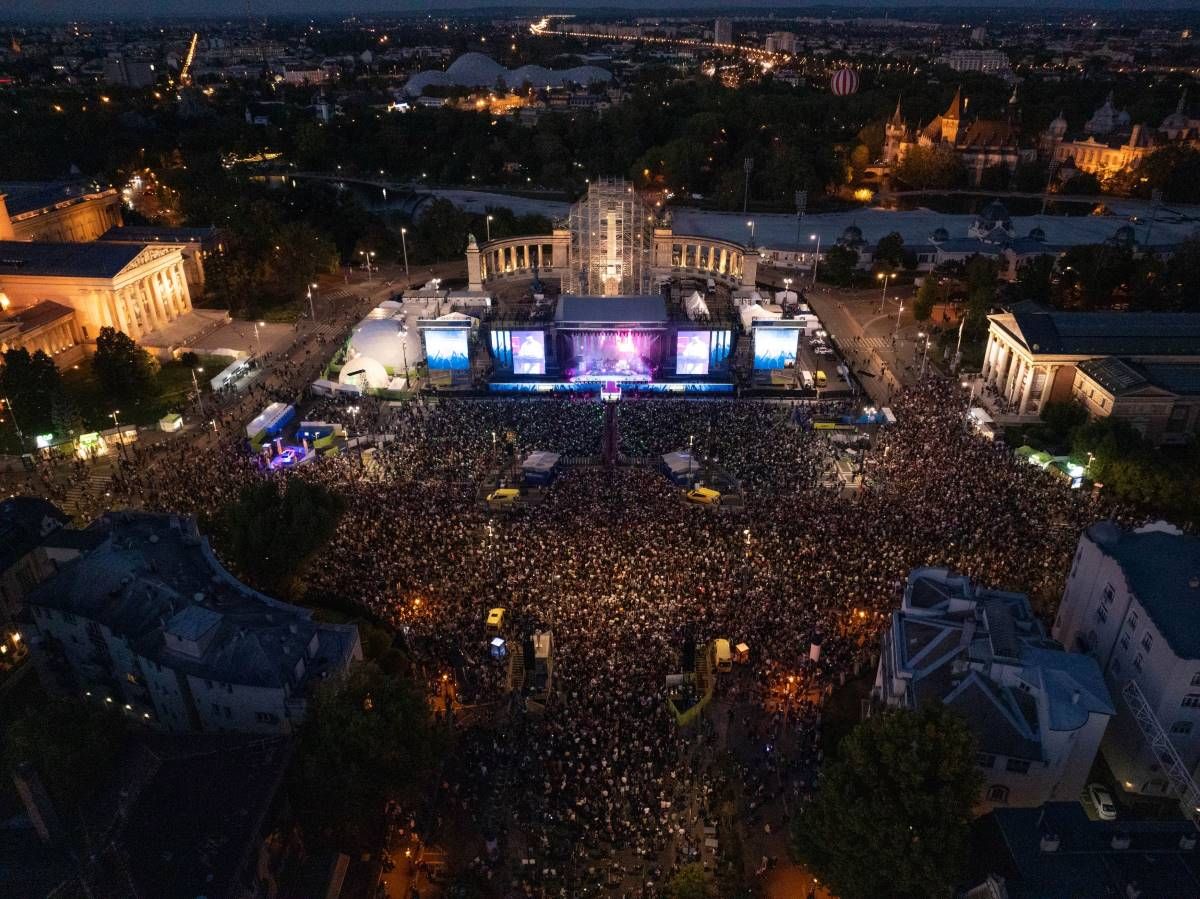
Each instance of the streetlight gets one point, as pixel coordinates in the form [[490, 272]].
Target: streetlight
[[312, 311], [257, 337], [489, 227], [196, 387], [899, 310], [367, 255], [404, 246], [750, 225], [884, 277], [816, 256], [117, 424], [353, 410], [787, 287], [925, 353]]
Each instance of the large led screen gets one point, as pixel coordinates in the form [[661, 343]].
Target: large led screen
[[528, 353], [691, 353], [775, 347], [446, 348]]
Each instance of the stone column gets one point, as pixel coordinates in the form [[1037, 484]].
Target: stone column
[[132, 322], [1000, 369], [988, 355], [1014, 383], [146, 292], [749, 269], [474, 268], [185, 292], [1031, 373], [1047, 384], [171, 296]]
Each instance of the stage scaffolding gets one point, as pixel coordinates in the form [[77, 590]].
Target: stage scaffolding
[[612, 235]]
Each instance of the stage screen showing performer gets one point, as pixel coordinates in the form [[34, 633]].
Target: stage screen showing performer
[[446, 349], [528, 353], [775, 347], [613, 355], [691, 353]]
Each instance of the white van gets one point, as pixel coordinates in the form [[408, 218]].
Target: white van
[[806, 379]]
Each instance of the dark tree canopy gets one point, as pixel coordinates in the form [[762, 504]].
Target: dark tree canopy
[[892, 810], [33, 385], [366, 739], [125, 370]]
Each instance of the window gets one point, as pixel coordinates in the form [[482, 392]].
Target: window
[[1017, 766], [1133, 621], [1125, 642], [266, 717], [1147, 641], [228, 712], [1116, 667], [1196, 679], [1181, 727], [1107, 596], [1102, 614], [985, 759], [1192, 701], [216, 709], [1137, 662], [997, 793]]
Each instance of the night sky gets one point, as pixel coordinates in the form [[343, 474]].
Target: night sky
[[104, 9]]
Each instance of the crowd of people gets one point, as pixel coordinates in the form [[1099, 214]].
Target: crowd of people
[[623, 572]]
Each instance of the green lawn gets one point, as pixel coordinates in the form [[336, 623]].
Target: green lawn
[[170, 393]]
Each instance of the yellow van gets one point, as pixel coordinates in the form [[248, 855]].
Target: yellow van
[[505, 496], [722, 657], [495, 621], [704, 496], [820, 378]]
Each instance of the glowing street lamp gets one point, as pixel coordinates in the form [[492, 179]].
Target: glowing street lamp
[[816, 256], [884, 277], [404, 246], [488, 224], [257, 336]]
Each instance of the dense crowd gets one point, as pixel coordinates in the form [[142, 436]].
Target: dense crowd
[[623, 572]]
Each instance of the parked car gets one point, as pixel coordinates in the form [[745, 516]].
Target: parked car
[[1102, 799]]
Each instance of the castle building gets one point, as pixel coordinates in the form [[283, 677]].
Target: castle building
[[980, 144], [1111, 143]]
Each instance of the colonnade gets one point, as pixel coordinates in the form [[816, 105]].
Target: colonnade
[[1014, 375], [149, 302]]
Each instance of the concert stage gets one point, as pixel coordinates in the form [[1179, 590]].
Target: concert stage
[[629, 340]]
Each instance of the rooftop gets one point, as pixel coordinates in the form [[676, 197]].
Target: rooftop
[[23, 197], [30, 318], [983, 653], [1008, 842], [1163, 570], [149, 234], [73, 260], [25, 523], [611, 309], [1107, 333], [155, 576]]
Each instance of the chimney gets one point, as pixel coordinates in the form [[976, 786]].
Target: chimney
[[38, 805]]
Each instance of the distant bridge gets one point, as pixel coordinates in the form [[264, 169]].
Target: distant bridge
[[408, 196]]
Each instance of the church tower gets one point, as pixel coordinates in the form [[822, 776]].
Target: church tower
[[951, 118], [894, 134]]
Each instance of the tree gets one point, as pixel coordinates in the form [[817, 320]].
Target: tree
[[365, 740], [69, 743], [1092, 273], [267, 534], [1175, 170], [690, 882], [1033, 278], [892, 810], [927, 296], [1081, 184], [889, 251], [124, 368], [839, 265], [930, 168], [34, 385]]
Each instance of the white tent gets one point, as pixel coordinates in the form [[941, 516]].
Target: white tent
[[750, 313], [694, 305]]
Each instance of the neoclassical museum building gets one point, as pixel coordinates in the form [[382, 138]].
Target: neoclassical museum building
[[68, 268]]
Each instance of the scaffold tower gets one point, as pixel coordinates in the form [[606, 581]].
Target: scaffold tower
[[611, 241]]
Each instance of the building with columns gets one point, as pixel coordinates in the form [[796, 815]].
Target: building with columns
[[47, 326], [135, 288], [59, 211], [1033, 354]]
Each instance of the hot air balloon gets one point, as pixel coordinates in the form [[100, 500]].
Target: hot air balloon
[[844, 82]]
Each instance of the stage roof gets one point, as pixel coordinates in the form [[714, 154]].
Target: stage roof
[[611, 309]]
